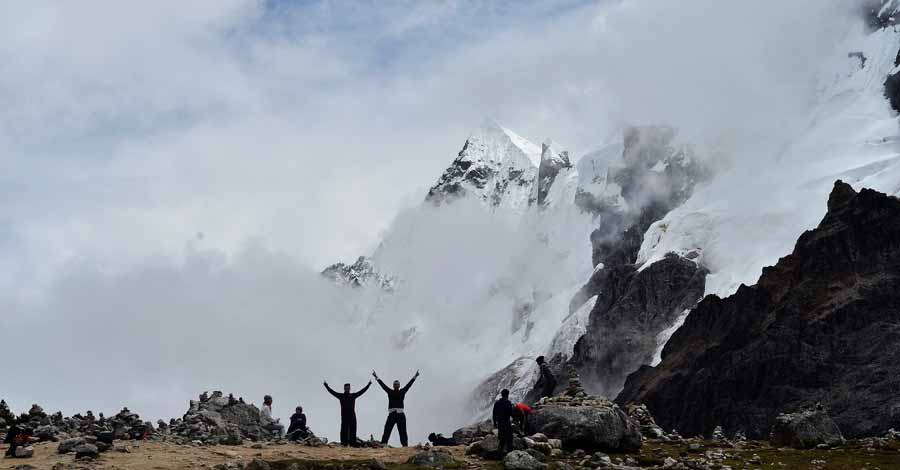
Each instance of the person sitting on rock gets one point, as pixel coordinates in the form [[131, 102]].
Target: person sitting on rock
[[520, 416], [297, 430], [503, 410], [395, 409], [267, 421], [546, 381], [348, 412], [439, 440]]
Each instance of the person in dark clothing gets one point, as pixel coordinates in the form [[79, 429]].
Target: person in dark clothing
[[297, 430], [396, 416], [440, 440], [16, 436], [348, 412], [503, 411], [547, 381]]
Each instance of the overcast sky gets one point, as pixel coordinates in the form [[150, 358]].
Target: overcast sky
[[167, 167]]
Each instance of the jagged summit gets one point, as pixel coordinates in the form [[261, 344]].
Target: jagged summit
[[496, 165]]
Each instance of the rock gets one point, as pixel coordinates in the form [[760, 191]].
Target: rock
[[86, 451], [431, 458], [258, 464], [521, 460], [555, 443], [377, 464], [669, 462], [817, 326], [806, 429], [45, 433], [595, 424], [68, 445], [539, 437], [24, 452], [474, 432], [542, 457], [487, 448]]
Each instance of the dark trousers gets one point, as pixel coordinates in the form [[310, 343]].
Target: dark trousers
[[400, 420], [348, 430], [505, 434], [547, 389]]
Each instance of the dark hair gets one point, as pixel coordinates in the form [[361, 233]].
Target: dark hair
[[540, 359], [267, 398], [346, 385], [504, 393], [299, 409], [432, 437]]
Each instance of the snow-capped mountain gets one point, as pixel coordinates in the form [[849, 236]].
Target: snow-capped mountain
[[595, 261], [496, 166]]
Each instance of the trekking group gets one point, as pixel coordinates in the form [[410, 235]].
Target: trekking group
[[506, 415]]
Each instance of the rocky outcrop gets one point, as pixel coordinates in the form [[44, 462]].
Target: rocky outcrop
[[581, 421], [822, 325], [634, 308], [52, 427], [552, 161], [806, 429], [217, 419], [474, 432], [362, 273]]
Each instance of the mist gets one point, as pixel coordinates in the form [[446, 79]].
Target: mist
[[171, 197]]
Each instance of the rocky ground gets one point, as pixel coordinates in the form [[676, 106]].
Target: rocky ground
[[856, 455]]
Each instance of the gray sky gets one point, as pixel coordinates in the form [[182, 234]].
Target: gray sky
[[174, 173]]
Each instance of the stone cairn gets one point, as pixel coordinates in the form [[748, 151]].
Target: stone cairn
[[574, 395], [219, 419]]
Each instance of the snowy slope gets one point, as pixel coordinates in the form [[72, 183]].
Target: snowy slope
[[738, 225]]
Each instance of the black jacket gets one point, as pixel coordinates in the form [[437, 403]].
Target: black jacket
[[298, 422], [546, 378], [395, 397], [503, 410], [348, 400]]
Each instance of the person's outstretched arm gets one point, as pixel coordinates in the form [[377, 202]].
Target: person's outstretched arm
[[366, 388], [410, 382], [335, 394], [383, 386]]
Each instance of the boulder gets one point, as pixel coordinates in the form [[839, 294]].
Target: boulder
[[487, 448], [88, 451], [521, 460], [806, 429], [68, 445], [587, 424], [258, 464], [474, 432], [431, 458], [25, 452]]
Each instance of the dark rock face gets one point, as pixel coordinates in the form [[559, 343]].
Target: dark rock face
[[822, 325], [879, 13], [633, 307], [551, 164], [806, 429], [628, 317], [474, 432]]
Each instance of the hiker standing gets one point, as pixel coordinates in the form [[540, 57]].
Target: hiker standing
[[395, 416], [503, 411], [547, 381], [348, 412]]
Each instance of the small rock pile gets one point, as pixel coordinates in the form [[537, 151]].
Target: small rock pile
[[7, 418], [649, 428]]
